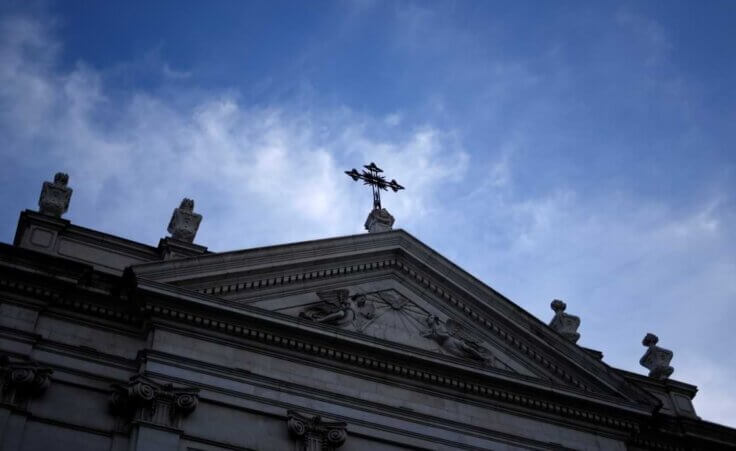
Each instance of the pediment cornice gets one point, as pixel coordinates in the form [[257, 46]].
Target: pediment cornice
[[270, 270], [305, 338]]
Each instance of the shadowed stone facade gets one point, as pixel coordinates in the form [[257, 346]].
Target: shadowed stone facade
[[364, 342]]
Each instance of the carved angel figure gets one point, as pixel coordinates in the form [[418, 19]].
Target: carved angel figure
[[365, 307], [335, 308], [453, 340]]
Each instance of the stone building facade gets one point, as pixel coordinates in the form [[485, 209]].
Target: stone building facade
[[364, 342]]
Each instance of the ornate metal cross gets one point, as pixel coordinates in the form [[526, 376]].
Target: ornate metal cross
[[378, 182]]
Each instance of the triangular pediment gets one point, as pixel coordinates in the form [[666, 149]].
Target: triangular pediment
[[391, 288]]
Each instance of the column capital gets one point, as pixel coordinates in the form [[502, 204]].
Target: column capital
[[145, 400], [314, 433], [22, 380]]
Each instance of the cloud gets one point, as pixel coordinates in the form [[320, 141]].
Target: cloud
[[626, 264], [258, 174], [171, 73], [627, 267]]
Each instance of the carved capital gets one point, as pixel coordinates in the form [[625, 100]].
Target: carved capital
[[315, 434], [379, 221], [184, 222], [564, 323], [55, 196], [21, 381], [656, 359], [145, 400]]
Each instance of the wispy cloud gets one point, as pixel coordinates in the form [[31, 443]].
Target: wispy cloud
[[258, 174], [502, 202], [627, 267]]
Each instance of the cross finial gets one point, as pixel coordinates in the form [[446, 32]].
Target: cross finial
[[378, 182]]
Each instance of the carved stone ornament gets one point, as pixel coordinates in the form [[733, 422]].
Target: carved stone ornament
[[356, 312], [564, 323], [656, 359], [455, 341], [379, 220], [338, 308], [21, 381], [145, 400], [389, 315], [54, 200], [184, 222], [315, 434]]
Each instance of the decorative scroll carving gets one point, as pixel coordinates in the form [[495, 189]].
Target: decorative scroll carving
[[451, 337], [379, 221], [315, 434], [54, 200], [145, 400], [184, 222], [656, 359], [564, 323], [21, 381]]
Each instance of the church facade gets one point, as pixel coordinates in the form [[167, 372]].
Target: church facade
[[363, 342]]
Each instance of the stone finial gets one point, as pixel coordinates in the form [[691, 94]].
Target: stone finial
[[184, 222], [564, 323], [20, 381], [143, 399], [656, 359], [314, 433], [379, 220], [55, 196]]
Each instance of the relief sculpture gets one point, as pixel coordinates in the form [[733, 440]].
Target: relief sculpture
[[389, 315], [455, 341], [338, 308]]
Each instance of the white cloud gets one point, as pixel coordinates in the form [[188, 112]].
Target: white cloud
[[269, 175], [258, 174], [627, 267]]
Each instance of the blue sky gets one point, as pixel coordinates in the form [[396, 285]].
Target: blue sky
[[572, 150]]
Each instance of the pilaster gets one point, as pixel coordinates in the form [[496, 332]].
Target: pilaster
[[20, 382], [152, 412], [315, 434]]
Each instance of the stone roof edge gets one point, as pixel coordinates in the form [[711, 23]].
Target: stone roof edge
[[369, 243], [672, 384], [84, 234], [254, 313], [267, 256]]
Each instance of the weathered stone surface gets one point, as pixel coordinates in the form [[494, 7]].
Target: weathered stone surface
[[143, 399], [656, 359], [20, 381], [55, 196], [184, 222], [389, 346], [379, 221], [314, 433], [564, 323], [450, 336]]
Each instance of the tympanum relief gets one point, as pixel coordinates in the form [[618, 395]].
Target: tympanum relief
[[451, 337], [391, 316]]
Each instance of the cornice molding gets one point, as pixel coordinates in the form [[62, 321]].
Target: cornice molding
[[471, 310], [271, 383], [491, 311], [426, 375], [85, 235], [317, 350]]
